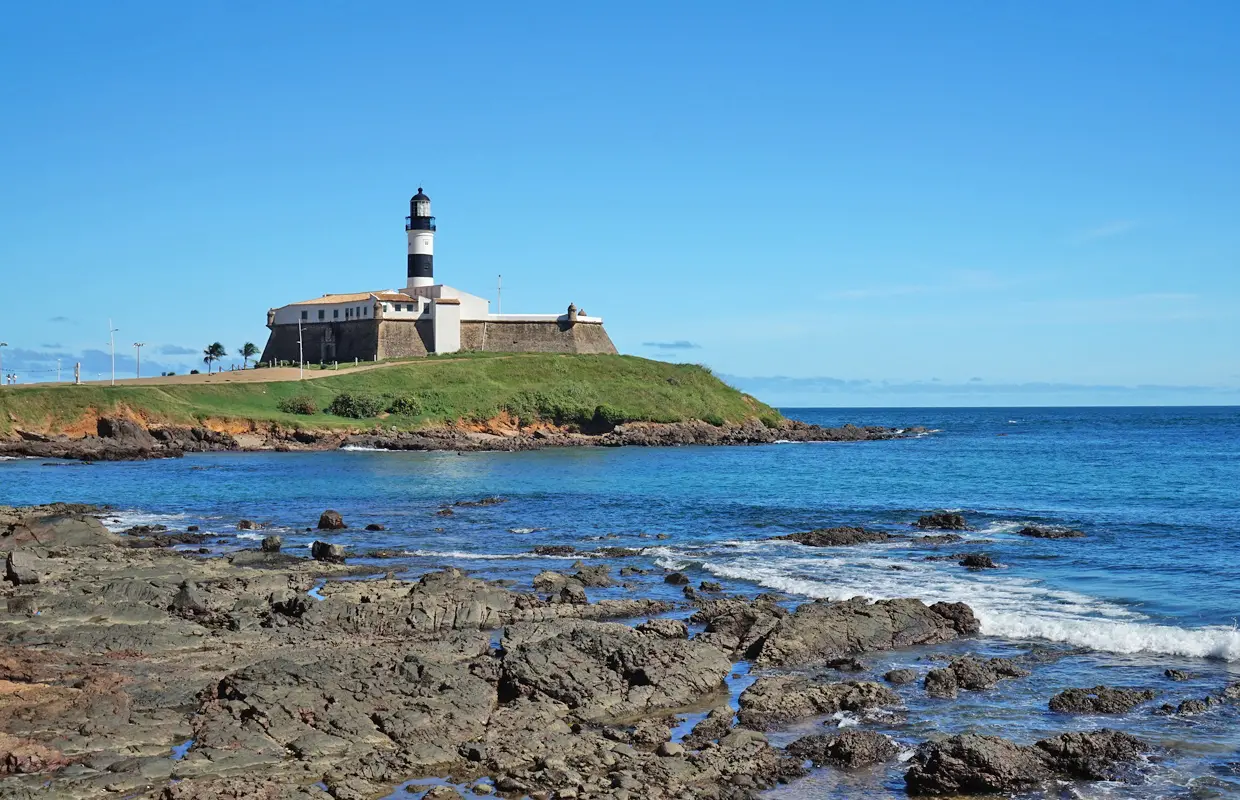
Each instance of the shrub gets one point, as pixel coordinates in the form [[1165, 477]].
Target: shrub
[[405, 406], [609, 416], [714, 419], [194, 372], [357, 406], [298, 404]]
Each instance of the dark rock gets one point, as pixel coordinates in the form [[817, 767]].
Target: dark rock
[[689, 592], [1094, 756], [374, 526], [848, 750], [554, 550], [943, 521], [1178, 675], [973, 764], [573, 594], [942, 683], [848, 664], [21, 568], [486, 501], [676, 579], [272, 544], [940, 538], [331, 521], [598, 576], [836, 537], [775, 700], [710, 586], [332, 553], [191, 529], [248, 525], [1193, 706], [550, 581], [899, 677], [1050, 532], [628, 572], [1100, 700], [1232, 692], [978, 561], [444, 512]]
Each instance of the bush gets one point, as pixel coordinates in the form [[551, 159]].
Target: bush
[[609, 416], [356, 406], [298, 404], [194, 372], [405, 406], [714, 419]]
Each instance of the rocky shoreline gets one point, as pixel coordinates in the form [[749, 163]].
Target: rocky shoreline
[[134, 665], [124, 438]]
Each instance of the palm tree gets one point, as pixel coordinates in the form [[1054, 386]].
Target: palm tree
[[247, 351], [213, 353]]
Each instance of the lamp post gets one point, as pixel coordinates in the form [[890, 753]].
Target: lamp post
[[2, 345], [137, 346], [112, 345], [301, 355]]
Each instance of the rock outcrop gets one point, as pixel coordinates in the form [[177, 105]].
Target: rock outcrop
[[835, 537], [942, 521], [850, 749], [1100, 700], [775, 700]]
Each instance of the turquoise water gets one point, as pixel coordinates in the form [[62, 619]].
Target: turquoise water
[[1156, 584]]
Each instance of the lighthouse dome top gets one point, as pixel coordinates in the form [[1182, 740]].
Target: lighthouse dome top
[[419, 197]]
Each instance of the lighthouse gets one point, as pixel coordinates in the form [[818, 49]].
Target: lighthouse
[[420, 228]]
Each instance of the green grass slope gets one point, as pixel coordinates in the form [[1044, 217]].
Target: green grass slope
[[562, 389]]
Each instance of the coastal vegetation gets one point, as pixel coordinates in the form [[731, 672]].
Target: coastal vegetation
[[526, 388]]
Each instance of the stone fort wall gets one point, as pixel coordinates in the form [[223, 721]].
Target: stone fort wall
[[369, 339]]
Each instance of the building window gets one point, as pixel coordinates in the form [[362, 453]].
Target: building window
[[305, 315], [335, 313], [322, 313]]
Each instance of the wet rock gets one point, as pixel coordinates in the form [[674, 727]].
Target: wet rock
[[942, 683], [1097, 755], [978, 561], [445, 512], [899, 677], [574, 594], [21, 568], [374, 526], [666, 628], [676, 579], [1187, 708], [554, 550], [1232, 692], [272, 544], [248, 525], [331, 521], [1100, 700], [191, 528], [835, 537], [331, 553], [550, 581], [973, 764], [628, 572], [1050, 532], [775, 700], [940, 538], [713, 727], [845, 664], [943, 521], [1178, 675], [597, 576], [442, 793], [486, 501], [35, 528], [820, 631], [710, 586], [848, 750]]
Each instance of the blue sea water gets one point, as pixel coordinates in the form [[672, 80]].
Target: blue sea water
[[1155, 584]]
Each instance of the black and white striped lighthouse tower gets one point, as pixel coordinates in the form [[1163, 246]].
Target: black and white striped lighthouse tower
[[420, 226]]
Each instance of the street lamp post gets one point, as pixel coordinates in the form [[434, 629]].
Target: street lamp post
[[137, 346], [112, 345], [301, 355]]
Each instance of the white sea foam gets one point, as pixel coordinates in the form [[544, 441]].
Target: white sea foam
[[357, 448], [254, 536], [484, 556], [1006, 606], [122, 520]]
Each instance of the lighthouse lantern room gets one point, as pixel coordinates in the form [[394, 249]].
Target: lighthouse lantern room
[[420, 228]]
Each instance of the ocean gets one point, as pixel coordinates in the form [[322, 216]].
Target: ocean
[[1154, 585]]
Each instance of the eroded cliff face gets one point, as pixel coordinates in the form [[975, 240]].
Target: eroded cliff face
[[126, 435]]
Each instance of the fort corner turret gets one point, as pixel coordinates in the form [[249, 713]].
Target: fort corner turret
[[422, 318]]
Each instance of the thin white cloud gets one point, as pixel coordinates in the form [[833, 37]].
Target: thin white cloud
[[1105, 231]]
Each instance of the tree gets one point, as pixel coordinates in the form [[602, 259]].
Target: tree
[[213, 353], [247, 351]]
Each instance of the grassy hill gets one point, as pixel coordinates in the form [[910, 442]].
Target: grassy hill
[[561, 389]]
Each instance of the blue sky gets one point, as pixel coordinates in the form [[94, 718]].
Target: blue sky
[[833, 204]]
